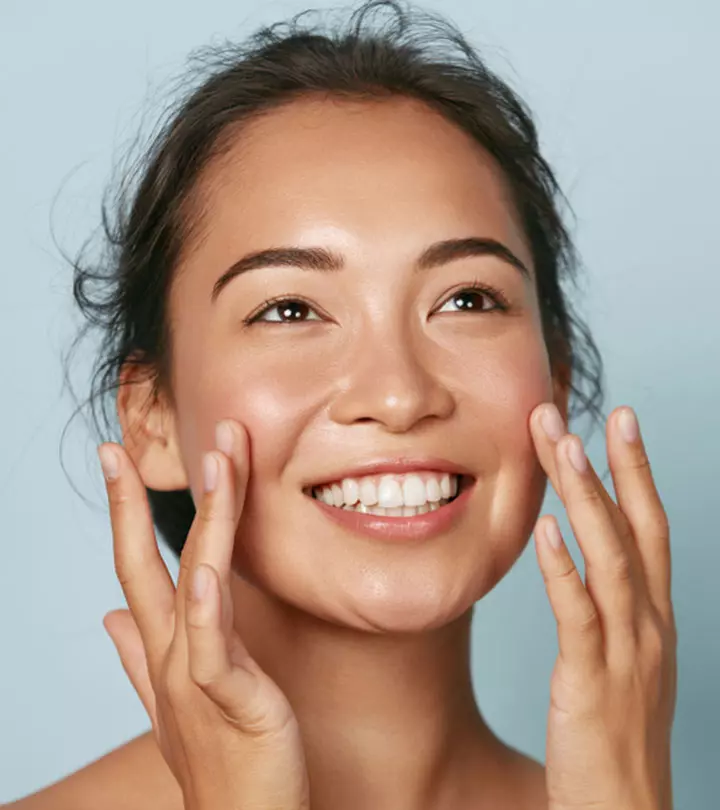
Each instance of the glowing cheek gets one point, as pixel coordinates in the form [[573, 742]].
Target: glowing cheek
[[274, 408], [266, 405], [506, 384]]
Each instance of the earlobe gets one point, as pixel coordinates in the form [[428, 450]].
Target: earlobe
[[148, 431]]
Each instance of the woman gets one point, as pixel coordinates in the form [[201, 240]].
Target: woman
[[347, 247]]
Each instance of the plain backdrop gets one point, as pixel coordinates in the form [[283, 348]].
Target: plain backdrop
[[625, 95]]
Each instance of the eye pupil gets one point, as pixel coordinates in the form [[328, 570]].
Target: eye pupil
[[465, 300], [293, 311]]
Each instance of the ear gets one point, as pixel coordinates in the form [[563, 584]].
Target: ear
[[149, 430]]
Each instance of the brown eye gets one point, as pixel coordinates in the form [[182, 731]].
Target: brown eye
[[471, 300], [286, 310]]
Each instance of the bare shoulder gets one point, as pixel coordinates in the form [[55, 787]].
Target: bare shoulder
[[532, 781], [133, 776], [521, 782]]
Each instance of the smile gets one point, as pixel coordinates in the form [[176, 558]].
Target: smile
[[403, 495], [399, 506]]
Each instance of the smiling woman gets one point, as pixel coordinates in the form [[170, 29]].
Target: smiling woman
[[342, 269]]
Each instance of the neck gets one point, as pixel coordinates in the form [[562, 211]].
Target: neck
[[388, 721]]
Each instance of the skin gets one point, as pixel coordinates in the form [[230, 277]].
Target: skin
[[369, 640]]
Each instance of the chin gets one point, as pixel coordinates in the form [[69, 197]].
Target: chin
[[378, 602], [406, 618]]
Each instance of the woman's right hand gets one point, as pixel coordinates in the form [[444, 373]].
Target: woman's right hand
[[226, 730]]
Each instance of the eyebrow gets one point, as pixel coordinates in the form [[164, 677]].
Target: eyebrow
[[324, 260]]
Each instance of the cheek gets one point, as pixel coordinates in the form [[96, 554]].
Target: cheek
[[506, 382], [521, 483], [273, 405]]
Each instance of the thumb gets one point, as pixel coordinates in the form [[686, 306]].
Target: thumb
[[124, 634]]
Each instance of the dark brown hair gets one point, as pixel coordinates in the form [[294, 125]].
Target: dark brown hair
[[382, 48]]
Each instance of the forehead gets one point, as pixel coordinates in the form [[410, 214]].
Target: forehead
[[387, 173]]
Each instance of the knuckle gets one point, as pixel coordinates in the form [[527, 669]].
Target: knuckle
[[654, 641], [639, 461], [657, 525], [210, 512], [175, 686], [566, 574], [207, 511], [117, 495], [128, 564], [588, 496], [587, 622], [124, 577], [204, 677], [620, 568]]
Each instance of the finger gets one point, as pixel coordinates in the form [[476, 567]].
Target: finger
[[212, 535], [580, 638], [141, 571], [209, 661], [214, 545], [124, 633], [546, 447], [608, 566], [246, 697], [640, 502], [212, 541]]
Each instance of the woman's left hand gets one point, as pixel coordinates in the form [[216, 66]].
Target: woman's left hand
[[613, 688]]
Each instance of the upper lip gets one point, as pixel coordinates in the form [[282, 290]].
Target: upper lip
[[398, 465]]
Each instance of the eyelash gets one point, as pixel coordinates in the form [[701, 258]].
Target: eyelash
[[500, 301]]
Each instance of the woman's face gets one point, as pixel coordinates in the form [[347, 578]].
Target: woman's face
[[378, 361]]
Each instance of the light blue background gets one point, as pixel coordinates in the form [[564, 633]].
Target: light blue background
[[626, 99]]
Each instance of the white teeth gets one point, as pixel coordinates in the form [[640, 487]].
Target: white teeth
[[433, 490], [395, 511], [351, 491], [389, 492], [368, 492], [413, 491]]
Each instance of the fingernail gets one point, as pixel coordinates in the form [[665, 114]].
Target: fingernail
[[576, 454], [629, 429], [210, 471], [552, 535], [201, 580], [108, 462], [552, 422], [224, 437]]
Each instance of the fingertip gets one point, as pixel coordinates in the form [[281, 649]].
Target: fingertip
[[201, 583], [553, 535], [535, 423], [549, 543], [113, 617], [231, 439], [109, 461]]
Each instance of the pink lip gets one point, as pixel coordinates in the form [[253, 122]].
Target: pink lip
[[394, 465], [416, 528]]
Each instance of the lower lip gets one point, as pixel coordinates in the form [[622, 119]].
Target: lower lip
[[415, 528]]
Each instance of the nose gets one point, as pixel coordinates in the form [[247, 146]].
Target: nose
[[391, 383]]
